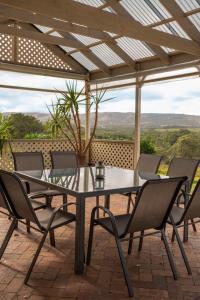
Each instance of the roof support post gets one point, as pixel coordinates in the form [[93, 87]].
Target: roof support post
[[136, 154], [87, 118]]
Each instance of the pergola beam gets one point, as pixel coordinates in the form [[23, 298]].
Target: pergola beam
[[40, 71], [102, 20], [28, 17], [137, 134], [146, 67], [41, 37]]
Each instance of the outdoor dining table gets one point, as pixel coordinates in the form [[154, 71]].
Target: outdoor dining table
[[82, 183]]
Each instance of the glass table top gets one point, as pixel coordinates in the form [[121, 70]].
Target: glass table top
[[83, 179]]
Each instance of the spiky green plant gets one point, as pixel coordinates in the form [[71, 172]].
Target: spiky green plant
[[65, 113]]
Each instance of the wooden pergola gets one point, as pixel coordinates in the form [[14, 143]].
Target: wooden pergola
[[101, 42]]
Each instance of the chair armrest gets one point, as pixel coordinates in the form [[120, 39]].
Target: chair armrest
[[106, 210], [26, 186], [110, 215]]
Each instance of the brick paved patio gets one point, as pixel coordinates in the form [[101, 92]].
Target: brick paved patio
[[53, 276]]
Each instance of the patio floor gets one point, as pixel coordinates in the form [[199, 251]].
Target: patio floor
[[53, 276]]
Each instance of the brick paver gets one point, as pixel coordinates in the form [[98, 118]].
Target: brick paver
[[53, 276]]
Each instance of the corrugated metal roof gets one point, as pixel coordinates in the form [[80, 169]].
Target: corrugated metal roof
[[146, 12], [86, 40], [95, 3], [43, 29], [173, 28], [108, 56], [188, 5], [195, 19], [84, 61], [134, 48], [142, 12]]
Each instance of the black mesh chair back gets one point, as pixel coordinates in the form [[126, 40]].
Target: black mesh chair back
[[183, 167], [64, 159], [192, 209], [2, 202], [24, 161], [28, 161], [154, 203], [149, 163], [17, 197]]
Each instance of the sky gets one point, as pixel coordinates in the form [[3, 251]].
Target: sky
[[180, 96]]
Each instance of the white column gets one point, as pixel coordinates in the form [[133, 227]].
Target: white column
[[137, 123], [87, 116]]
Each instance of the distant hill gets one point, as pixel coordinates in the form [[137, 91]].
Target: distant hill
[[149, 120]]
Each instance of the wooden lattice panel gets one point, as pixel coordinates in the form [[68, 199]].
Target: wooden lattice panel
[[6, 162], [112, 153], [119, 154], [6, 47], [31, 52]]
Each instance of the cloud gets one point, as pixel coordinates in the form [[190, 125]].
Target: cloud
[[180, 96]]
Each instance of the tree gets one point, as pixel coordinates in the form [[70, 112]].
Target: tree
[[23, 124], [147, 147], [173, 136], [5, 128], [186, 146]]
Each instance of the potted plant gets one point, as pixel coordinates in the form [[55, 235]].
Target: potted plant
[[4, 132], [66, 117]]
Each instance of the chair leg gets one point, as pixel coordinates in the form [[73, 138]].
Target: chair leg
[[169, 254], [129, 203], [65, 208], [7, 237], [185, 231], [49, 200], [90, 242], [193, 225], [52, 238], [173, 236], [182, 250], [97, 204], [141, 241], [28, 228], [130, 244], [35, 257], [124, 267]]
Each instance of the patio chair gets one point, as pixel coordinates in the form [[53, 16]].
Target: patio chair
[[24, 161], [184, 167], [45, 220], [65, 160], [147, 163], [191, 211], [151, 211], [7, 210]]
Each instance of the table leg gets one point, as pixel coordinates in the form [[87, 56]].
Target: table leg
[[185, 228], [80, 235], [107, 203]]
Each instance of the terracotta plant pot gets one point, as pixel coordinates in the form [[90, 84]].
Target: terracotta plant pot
[[82, 159]]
